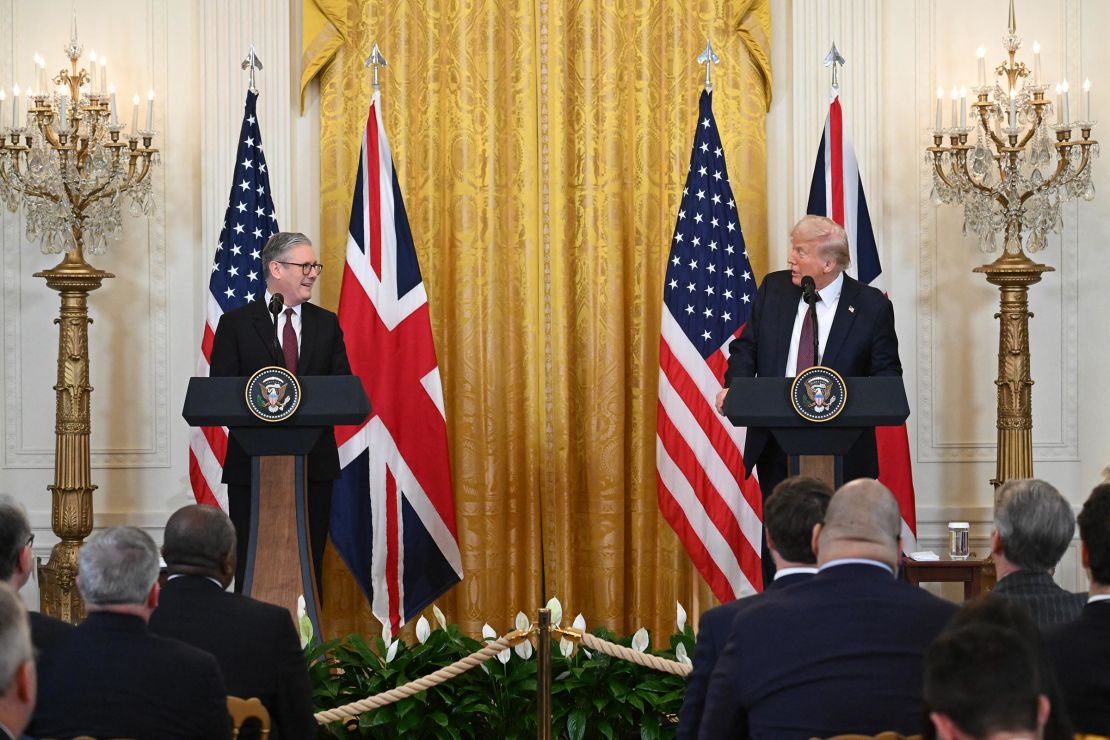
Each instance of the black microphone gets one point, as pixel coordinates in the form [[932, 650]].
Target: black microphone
[[809, 290], [277, 301]]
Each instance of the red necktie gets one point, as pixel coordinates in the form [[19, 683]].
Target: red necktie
[[805, 345], [289, 342]]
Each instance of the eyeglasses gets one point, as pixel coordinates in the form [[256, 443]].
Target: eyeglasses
[[306, 267], [30, 540]]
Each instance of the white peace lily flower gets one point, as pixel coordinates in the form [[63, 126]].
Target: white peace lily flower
[[556, 611], [390, 643], [423, 629], [387, 633], [304, 624], [681, 655], [579, 623], [681, 617], [640, 640], [566, 647], [524, 647], [489, 635], [391, 652], [440, 619]]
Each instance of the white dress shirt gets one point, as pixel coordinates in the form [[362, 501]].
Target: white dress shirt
[[295, 318], [827, 300]]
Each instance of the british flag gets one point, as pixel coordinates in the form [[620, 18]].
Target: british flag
[[707, 296], [393, 510], [236, 280], [836, 192]]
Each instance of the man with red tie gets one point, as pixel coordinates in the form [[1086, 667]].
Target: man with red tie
[[309, 342]]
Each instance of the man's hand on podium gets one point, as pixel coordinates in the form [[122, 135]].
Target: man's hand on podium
[[721, 401]]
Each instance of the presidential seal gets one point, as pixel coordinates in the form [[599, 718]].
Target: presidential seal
[[818, 393], [273, 394]]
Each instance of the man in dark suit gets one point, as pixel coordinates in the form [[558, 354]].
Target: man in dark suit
[[855, 332], [17, 666], [255, 644], [840, 653], [1081, 649], [791, 514], [110, 677], [16, 562], [1033, 527], [311, 343]]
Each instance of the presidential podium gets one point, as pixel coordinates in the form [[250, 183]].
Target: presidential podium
[[279, 564], [817, 449]]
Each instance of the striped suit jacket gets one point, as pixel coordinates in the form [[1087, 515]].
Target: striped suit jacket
[[1047, 602]]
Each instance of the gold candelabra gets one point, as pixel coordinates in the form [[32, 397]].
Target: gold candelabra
[[66, 164], [1012, 180]]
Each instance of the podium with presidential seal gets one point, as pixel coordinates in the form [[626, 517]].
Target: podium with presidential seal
[[817, 416], [277, 418]]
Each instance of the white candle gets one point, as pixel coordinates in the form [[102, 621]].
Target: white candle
[[963, 107], [150, 110], [63, 123], [1013, 108], [103, 74], [15, 106], [1036, 63], [1059, 113], [3, 95], [982, 54], [1087, 96], [112, 93], [40, 68], [92, 71], [1064, 92], [940, 108], [135, 115], [955, 108]]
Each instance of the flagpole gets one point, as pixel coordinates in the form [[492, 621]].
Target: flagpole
[[376, 61], [834, 60], [252, 62], [708, 57]]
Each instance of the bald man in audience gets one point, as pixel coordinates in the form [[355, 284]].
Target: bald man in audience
[[16, 564], [17, 666], [841, 653], [255, 644], [1033, 527], [110, 677], [790, 516]]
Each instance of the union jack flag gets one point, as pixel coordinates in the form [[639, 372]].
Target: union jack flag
[[836, 192], [707, 296], [236, 280], [393, 510]]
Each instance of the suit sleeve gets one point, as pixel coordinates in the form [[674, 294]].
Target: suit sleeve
[[723, 715], [214, 697], [340, 365], [224, 360], [693, 701], [884, 343], [742, 359], [294, 710]]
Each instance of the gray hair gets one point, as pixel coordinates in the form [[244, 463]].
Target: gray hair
[[15, 636], [118, 566], [278, 245], [15, 530], [198, 536], [829, 237], [1035, 524]]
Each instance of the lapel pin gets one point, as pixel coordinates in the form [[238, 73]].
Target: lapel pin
[[851, 309]]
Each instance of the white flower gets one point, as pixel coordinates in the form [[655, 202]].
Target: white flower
[[423, 629], [390, 643], [489, 635], [640, 640], [566, 647], [524, 647], [442, 620], [556, 611], [681, 656], [681, 619], [579, 623], [304, 624], [391, 652]]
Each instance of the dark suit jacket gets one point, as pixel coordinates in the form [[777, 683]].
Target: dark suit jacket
[[46, 632], [255, 644], [714, 628], [862, 342], [243, 344], [1048, 603], [1081, 654], [112, 678], [840, 653]]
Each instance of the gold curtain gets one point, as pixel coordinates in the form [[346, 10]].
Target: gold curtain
[[541, 150]]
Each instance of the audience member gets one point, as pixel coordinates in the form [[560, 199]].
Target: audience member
[[1081, 649], [981, 681], [17, 666], [16, 562], [1033, 526], [840, 653], [255, 644], [110, 677], [790, 516]]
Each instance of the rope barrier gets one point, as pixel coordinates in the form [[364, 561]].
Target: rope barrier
[[352, 710], [619, 651]]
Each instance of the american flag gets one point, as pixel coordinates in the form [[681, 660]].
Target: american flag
[[707, 297], [236, 279], [836, 192], [393, 510]]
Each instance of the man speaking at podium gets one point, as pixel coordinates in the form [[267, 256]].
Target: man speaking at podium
[[855, 336], [308, 342]]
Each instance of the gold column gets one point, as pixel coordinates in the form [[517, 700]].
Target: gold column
[[71, 509], [1013, 274]]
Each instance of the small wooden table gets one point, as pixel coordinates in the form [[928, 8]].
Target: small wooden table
[[946, 570]]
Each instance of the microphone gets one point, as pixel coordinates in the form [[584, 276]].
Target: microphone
[[277, 301], [809, 290]]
